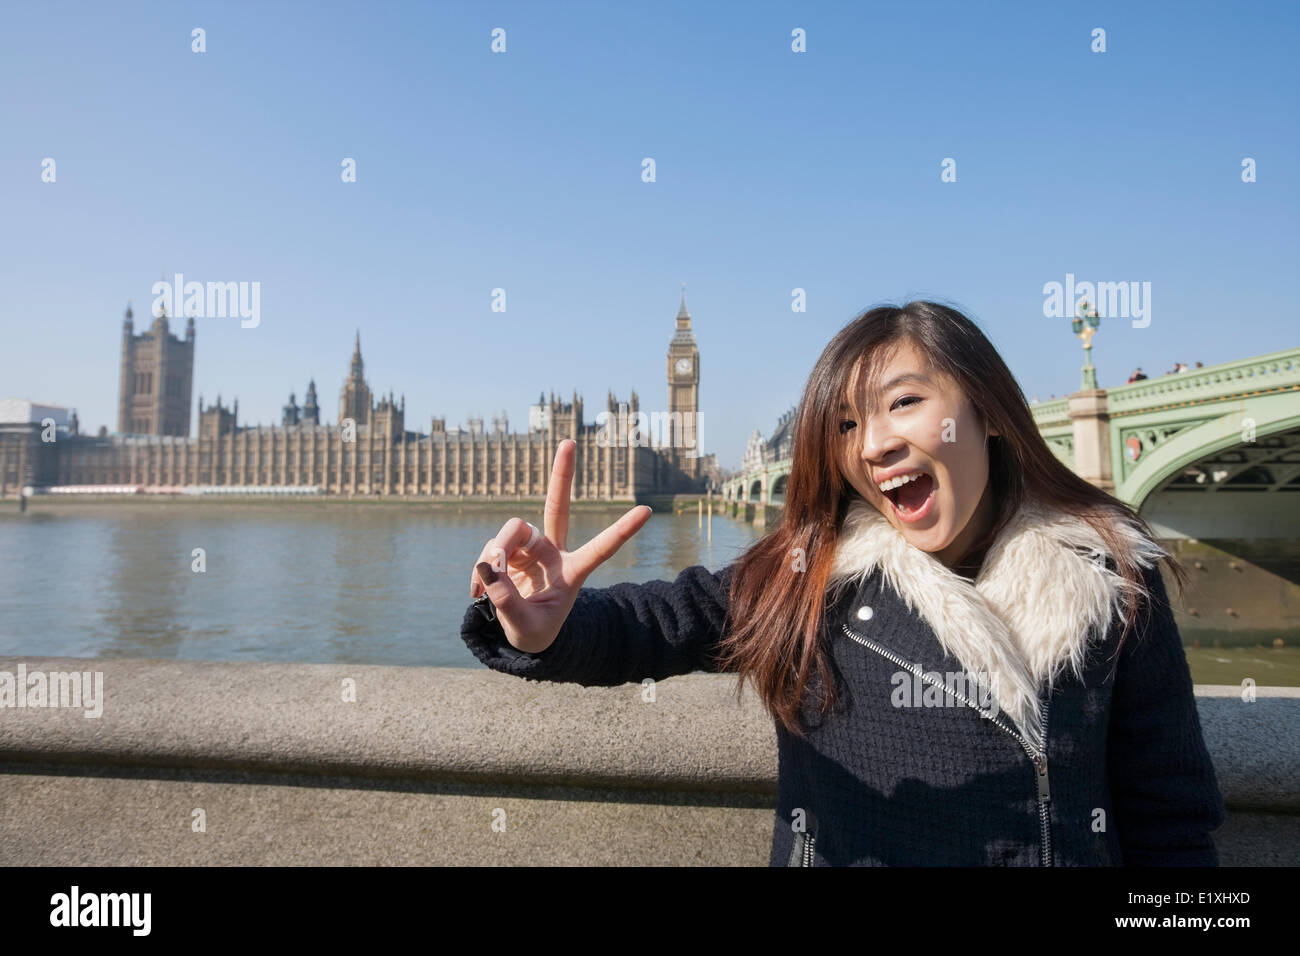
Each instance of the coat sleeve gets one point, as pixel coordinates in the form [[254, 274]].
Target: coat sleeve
[[1164, 790], [619, 634]]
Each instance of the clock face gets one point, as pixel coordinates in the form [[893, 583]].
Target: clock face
[[683, 366]]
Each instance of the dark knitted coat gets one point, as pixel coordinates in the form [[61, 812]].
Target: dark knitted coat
[[948, 689]]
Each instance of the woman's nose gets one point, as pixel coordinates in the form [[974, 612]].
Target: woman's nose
[[878, 440]]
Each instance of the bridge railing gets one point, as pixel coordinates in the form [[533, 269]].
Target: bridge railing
[[1051, 413], [1263, 372]]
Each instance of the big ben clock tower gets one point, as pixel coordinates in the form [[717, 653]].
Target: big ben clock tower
[[684, 395]]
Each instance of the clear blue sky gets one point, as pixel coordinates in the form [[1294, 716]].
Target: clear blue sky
[[775, 170]]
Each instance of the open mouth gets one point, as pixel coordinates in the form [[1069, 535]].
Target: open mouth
[[913, 500]]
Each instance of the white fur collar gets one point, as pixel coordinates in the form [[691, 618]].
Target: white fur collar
[[1034, 608]]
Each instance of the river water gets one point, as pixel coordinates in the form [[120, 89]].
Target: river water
[[329, 582], [304, 581]]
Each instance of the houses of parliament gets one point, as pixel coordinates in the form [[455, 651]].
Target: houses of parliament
[[368, 451]]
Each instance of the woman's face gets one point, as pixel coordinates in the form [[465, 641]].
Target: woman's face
[[919, 421]]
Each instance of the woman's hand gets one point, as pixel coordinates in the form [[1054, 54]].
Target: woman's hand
[[533, 590]]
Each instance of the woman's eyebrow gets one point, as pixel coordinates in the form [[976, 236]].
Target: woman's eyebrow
[[917, 377]]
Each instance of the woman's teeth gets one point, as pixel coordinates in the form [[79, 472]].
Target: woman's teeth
[[892, 483]]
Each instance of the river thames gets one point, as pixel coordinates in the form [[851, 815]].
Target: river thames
[[329, 581], [309, 581]]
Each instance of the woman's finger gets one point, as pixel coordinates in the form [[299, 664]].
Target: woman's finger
[[491, 553], [556, 517], [511, 607], [543, 557], [508, 530], [515, 536]]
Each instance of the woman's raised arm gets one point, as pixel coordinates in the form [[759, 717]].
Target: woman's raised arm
[[533, 618]]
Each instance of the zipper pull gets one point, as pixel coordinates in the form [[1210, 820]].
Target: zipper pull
[[483, 604], [1044, 794]]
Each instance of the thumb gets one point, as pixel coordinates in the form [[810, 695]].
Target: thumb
[[501, 591]]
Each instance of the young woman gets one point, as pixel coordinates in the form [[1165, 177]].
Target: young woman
[[968, 650]]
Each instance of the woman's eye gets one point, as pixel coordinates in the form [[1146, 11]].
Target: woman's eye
[[845, 426], [906, 398]]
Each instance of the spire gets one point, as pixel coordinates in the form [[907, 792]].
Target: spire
[[682, 334], [311, 410], [129, 314], [357, 368], [160, 320]]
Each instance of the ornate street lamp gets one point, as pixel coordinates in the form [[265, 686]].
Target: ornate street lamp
[[1085, 324]]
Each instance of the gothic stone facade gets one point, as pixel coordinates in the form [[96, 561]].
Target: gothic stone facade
[[157, 379], [371, 452]]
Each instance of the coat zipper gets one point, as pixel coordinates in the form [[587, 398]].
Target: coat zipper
[[804, 852], [1039, 759], [1044, 793], [809, 849]]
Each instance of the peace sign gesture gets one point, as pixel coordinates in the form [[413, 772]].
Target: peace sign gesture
[[533, 584]]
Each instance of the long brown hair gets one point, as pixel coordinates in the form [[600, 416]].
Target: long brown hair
[[778, 588]]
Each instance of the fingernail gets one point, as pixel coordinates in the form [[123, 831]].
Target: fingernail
[[485, 572]]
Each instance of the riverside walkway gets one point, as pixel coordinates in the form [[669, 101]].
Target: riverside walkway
[[200, 763]]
